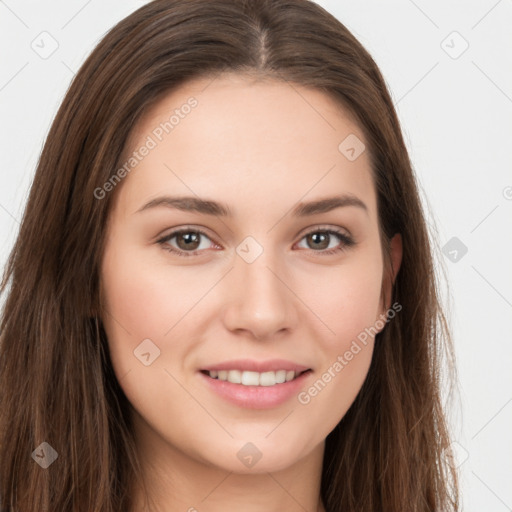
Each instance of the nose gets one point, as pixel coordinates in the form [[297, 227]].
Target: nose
[[260, 300]]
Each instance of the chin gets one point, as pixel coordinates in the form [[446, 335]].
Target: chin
[[258, 456]]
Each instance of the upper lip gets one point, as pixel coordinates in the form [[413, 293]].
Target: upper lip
[[270, 365]]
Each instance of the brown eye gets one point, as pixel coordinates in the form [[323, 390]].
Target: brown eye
[[319, 239], [187, 242], [323, 241]]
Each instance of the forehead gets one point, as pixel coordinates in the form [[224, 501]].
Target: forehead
[[237, 140]]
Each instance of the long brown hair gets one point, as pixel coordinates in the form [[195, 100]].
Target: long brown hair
[[389, 452]]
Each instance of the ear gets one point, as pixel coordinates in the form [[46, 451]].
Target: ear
[[390, 271]]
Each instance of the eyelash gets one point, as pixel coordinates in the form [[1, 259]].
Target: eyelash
[[346, 240]]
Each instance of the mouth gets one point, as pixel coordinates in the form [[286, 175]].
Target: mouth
[[253, 378], [251, 388], [256, 384]]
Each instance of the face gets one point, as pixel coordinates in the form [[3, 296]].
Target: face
[[255, 278]]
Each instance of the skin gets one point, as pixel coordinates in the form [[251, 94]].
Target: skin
[[260, 147]]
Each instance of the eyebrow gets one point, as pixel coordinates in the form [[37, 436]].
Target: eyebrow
[[209, 207]]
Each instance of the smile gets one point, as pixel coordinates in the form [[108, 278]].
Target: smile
[[249, 378]]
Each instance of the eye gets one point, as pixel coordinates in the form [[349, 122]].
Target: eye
[[188, 241], [321, 239]]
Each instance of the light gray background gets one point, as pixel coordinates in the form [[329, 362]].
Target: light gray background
[[455, 107]]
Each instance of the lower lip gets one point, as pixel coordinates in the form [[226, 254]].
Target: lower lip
[[256, 397]]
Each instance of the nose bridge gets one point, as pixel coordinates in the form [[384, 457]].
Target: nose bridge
[[259, 280], [260, 302]]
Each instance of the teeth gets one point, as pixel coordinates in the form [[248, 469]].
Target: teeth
[[249, 378], [235, 376], [267, 378], [253, 378], [280, 376]]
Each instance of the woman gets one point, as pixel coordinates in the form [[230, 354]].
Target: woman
[[222, 294]]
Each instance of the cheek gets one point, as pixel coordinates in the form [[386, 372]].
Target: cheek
[[137, 307], [347, 299], [147, 301], [143, 302]]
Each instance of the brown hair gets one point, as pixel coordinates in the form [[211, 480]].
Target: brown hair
[[388, 453]]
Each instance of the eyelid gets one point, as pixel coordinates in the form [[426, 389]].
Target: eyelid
[[175, 231], [324, 227]]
